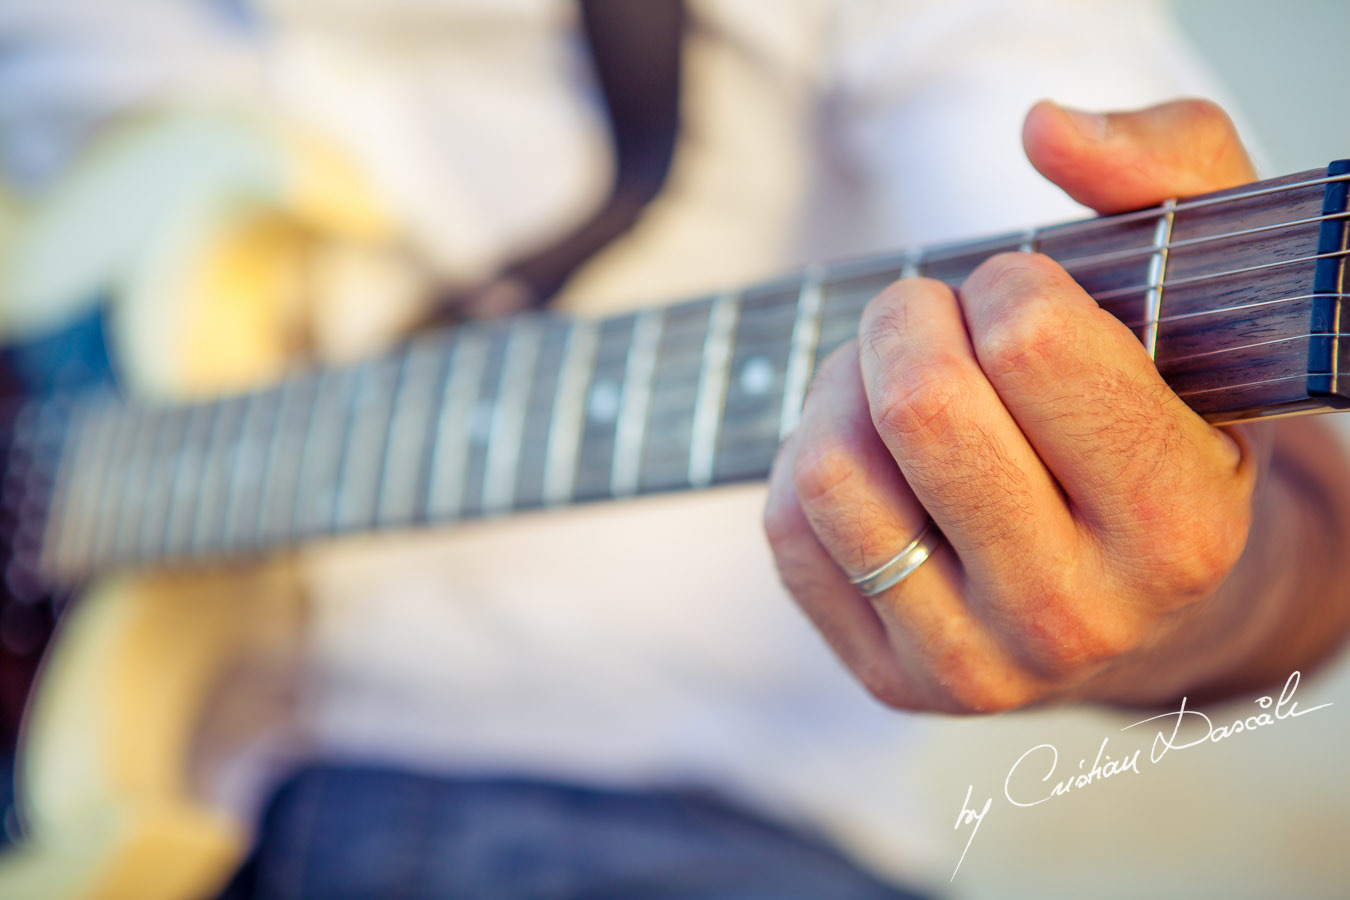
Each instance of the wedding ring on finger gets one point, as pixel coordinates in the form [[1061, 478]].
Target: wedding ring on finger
[[902, 565]]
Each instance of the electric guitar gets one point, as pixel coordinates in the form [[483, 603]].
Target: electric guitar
[[1236, 295]]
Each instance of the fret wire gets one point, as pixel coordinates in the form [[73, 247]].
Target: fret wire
[[111, 493], [1335, 350], [318, 494], [508, 416], [387, 444], [1157, 268], [569, 397], [353, 385], [266, 524], [239, 466], [155, 520], [1340, 285], [634, 400], [37, 439], [227, 415], [805, 333], [330, 497], [910, 261], [298, 504], [184, 482], [606, 395], [368, 410], [133, 512], [63, 518], [712, 388], [1029, 241], [450, 451], [411, 427]]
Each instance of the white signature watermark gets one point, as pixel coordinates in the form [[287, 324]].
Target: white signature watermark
[[1023, 788]]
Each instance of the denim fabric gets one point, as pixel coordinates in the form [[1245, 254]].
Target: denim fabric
[[342, 833]]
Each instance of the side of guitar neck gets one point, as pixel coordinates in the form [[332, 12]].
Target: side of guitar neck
[[1235, 294]]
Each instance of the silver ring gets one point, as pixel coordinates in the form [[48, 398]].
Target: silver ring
[[902, 565]]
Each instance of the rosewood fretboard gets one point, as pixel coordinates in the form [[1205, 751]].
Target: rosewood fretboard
[[1237, 294]]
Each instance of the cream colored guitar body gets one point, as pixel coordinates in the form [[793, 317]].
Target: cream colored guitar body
[[113, 776], [154, 681]]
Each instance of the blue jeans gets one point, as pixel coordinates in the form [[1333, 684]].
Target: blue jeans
[[334, 833]]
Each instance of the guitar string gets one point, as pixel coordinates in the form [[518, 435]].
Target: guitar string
[[955, 249], [1201, 313], [1153, 212], [1259, 383], [922, 256], [1114, 293], [1227, 273], [1280, 340], [1170, 245]]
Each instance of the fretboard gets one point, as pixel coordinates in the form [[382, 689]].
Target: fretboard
[[1236, 295]]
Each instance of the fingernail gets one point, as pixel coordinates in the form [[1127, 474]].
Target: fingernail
[[1092, 126]]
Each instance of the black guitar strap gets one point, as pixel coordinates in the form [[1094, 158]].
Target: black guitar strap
[[635, 50]]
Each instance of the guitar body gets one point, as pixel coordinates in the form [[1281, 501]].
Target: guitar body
[[141, 694], [156, 686]]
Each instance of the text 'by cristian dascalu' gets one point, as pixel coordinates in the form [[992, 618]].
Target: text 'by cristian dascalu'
[[1036, 778]]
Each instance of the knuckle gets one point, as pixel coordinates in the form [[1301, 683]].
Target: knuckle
[[1185, 557], [1024, 337], [969, 684], [906, 290], [920, 401], [887, 315], [1071, 634], [822, 468], [1195, 564], [1013, 275]]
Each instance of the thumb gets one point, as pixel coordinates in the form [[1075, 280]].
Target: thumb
[[1120, 161]]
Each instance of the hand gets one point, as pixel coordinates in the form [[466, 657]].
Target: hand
[[1092, 519]]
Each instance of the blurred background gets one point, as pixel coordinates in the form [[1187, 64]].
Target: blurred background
[[1281, 63], [1261, 815]]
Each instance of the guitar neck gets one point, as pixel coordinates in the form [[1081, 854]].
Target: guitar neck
[[1235, 294]]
